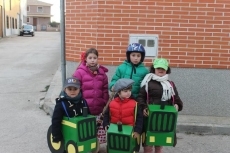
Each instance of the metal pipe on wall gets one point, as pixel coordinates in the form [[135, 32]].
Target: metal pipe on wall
[[4, 22], [62, 29]]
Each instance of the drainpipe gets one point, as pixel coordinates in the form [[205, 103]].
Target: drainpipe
[[62, 30], [4, 22], [20, 16]]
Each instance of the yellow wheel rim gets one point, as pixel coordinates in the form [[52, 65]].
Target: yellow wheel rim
[[56, 146], [71, 148]]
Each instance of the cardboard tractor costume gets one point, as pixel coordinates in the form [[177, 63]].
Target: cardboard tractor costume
[[120, 139], [79, 135], [160, 125]]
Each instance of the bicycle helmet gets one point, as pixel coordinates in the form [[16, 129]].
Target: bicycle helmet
[[135, 47]]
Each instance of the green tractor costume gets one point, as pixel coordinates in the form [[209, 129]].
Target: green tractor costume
[[120, 139], [79, 135], [160, 126]]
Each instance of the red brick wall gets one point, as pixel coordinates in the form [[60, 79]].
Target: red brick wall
[[192, 33]]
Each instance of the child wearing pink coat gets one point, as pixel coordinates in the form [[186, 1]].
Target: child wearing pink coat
[[94, 85]]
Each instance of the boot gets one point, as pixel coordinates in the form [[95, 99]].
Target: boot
[[148, 149], [158, 149]]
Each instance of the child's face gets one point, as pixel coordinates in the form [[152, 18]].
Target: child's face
[[125, 93], [135, 58], [91, 59], [160, 72], [72, 91]]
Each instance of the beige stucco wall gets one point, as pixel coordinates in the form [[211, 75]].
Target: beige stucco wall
[[33, 9], [12, 11]]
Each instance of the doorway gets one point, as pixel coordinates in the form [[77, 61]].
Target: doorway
[[35, 23]]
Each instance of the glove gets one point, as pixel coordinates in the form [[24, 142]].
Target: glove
[[57, 139]]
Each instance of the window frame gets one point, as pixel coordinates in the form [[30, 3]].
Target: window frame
[[41, 10]]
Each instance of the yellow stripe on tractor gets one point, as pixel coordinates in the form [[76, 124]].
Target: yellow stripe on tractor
[[67, 123]]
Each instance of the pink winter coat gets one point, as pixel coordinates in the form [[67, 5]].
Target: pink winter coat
[[94, 87]]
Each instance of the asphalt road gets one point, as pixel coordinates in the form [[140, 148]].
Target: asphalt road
[[27, 65]]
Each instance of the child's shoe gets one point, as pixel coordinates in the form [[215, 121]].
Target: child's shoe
[[148, 149], [158, 149]]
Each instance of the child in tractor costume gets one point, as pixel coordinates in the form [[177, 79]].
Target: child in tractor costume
[[72, 129], [123, 119], [160, 102]]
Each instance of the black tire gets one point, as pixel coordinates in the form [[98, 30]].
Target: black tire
[[71, 147], [54, 147]]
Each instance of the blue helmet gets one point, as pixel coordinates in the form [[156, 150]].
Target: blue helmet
[[135, 47]]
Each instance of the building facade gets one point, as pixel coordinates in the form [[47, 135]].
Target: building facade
[[192, 35], [23, 12], [1, 18], [12, 16], [39, 14], [12, 13]]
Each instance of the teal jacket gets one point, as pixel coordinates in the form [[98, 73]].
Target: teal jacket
[[127, 70]]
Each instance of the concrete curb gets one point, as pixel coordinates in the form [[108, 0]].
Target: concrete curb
[[204, 125], [52, 93], [201, 125]]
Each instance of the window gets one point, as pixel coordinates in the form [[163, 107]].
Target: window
[[28, 8], [16, 24], [7, 22], [28, 27], [40, 9], [141, 41], [28, 19], [12, 23], [150, 43]]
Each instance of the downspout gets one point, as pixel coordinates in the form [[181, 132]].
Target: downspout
[[62, 30], [19, 20], [4, 12]]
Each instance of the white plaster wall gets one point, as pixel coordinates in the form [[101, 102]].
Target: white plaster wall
[[23, 7], [8, 32]]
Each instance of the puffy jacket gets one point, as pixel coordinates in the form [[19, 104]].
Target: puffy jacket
[[94, 87], [128, 70], [124, 111], [155, 91]]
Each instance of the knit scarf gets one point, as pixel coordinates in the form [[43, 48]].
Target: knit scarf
[[168, 91], [75, 100], [93, 69]]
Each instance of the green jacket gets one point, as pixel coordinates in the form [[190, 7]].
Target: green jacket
[[126, 70]]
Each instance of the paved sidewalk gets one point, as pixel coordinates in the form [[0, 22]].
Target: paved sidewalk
[[203, 125]]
